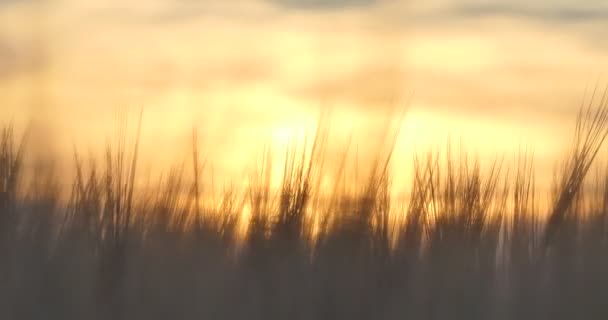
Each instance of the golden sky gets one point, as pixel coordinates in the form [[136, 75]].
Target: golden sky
[[493, 74]]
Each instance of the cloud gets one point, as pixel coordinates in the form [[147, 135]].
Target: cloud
[[160, 13], [370, 86], [497, 92], [323, 4], [8, 2], [548, 12], [17, 60]]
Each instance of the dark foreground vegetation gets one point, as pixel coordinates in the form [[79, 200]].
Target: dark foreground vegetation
[[470, 243]]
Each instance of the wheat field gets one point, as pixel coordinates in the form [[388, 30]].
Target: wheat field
[[472, 241]]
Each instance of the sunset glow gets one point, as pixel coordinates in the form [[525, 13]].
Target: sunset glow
[[251, 73]]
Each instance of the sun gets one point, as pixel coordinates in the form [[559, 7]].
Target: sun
[[292, 133]]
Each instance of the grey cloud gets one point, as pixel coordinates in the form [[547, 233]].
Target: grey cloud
[[548, 12], [323, 4], [16, 60], [171, 15], [177, 13], [7, 2], [588, 24]]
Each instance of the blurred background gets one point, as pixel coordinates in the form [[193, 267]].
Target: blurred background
[[497, 75]]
